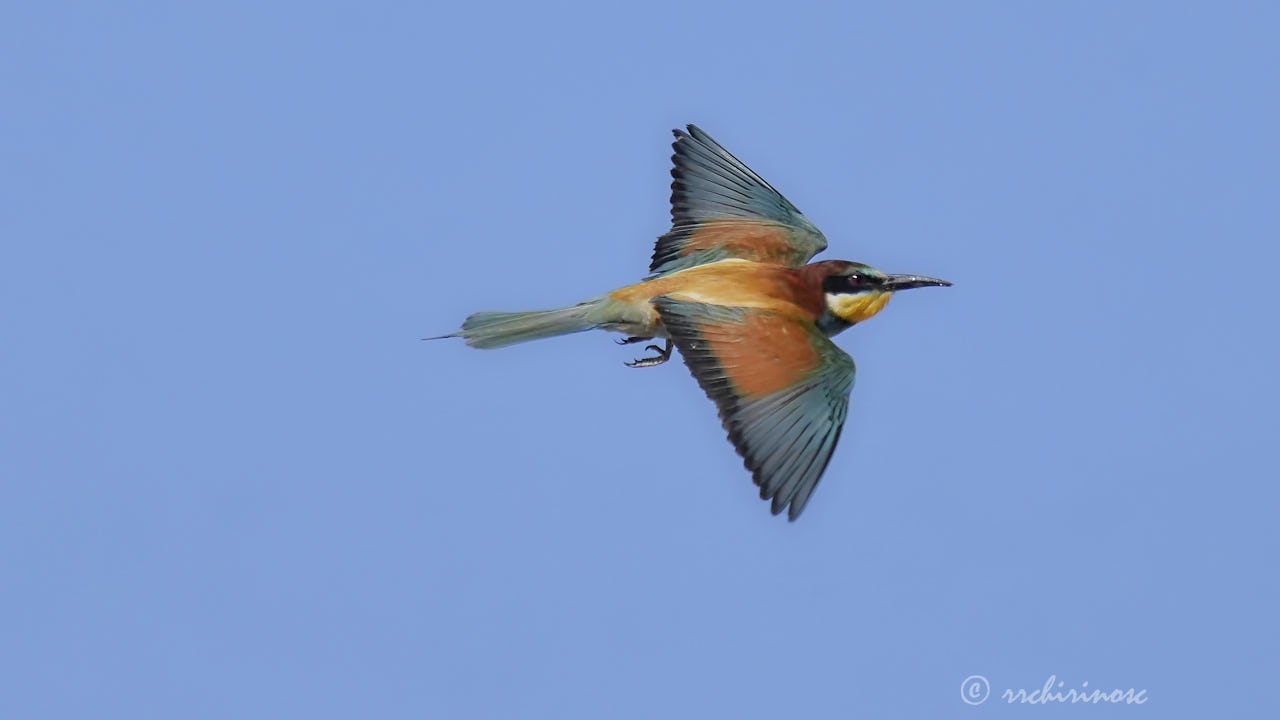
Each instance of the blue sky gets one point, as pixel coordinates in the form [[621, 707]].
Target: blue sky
[[235, 484]]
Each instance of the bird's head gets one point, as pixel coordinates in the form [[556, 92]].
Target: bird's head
[[855, 292]]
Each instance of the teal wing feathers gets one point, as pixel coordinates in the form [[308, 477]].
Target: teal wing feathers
[[721, 209], [781, 386]]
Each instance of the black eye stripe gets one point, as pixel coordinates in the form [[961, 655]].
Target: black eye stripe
[[853, 282]]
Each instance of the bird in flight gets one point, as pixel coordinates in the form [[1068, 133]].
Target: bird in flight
[[731, 286]]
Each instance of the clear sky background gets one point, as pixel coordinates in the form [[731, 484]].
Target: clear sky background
[[236, 485]]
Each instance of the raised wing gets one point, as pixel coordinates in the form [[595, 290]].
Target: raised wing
[[782, 388], [721, 209]]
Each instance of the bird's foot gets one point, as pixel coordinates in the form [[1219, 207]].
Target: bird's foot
[[633, 339], [664, 354]]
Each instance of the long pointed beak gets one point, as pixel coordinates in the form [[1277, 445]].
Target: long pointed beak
[[895, 283]]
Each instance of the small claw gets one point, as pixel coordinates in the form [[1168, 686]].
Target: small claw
[[645, 362], [664, 354]]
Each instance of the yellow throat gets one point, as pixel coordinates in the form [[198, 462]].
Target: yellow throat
[[856, 307]]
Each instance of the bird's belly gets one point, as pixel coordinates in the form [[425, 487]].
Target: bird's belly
[[635, 319], [633, 330]]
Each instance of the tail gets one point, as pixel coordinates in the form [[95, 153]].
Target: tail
[[499, 329]]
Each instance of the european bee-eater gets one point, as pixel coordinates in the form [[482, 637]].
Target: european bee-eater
[[730, 287]]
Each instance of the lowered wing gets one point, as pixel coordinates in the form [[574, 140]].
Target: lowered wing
[[781, 386]]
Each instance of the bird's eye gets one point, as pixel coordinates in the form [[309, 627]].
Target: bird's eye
[[855, 280]]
